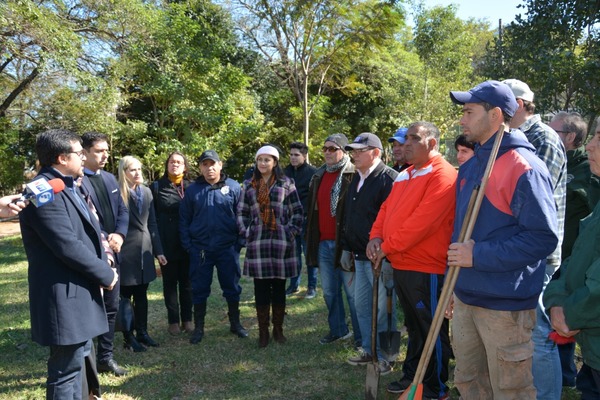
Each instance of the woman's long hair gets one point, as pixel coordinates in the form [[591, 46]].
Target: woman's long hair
[[186, 167], [124, 164], [277, 170]]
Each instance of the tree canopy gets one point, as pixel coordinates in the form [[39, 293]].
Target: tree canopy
[[234, 74]]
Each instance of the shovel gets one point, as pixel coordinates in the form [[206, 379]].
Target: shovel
[[372, 383], [389, 341]]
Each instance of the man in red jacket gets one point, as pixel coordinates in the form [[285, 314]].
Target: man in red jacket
[[412, 230]]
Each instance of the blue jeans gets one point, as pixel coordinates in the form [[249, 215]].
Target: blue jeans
[[65, 371], [363, 299], [547, 372], [311, 271], [332, 281]]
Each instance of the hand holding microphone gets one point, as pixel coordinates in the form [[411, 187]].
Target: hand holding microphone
[[11, 205]]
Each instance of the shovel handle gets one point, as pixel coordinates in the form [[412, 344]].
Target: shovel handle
[[376, 274]]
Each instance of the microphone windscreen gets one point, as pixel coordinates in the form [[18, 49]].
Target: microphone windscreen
[[57, 185]]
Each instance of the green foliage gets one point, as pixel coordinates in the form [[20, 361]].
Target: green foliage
[[555, 49], [180, 81], [309, 44], [446, 45]]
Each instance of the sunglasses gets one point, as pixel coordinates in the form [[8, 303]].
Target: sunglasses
[[358, 151], [330, 149]]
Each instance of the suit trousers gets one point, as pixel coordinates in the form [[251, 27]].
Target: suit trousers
[[106, 340], [66, 367]]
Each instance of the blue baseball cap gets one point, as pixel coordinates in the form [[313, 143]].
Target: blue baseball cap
[[495, 93], [399, 136]]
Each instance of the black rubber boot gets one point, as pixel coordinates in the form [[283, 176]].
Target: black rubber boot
[[199, 314], [234, 320], [143, 337], [131, 343]]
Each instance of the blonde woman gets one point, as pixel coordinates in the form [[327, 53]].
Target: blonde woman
[[141, 243]]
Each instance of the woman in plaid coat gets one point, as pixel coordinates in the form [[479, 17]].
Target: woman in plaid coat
[[269, 216]]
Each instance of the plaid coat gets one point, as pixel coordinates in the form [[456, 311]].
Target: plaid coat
[[271, 254]]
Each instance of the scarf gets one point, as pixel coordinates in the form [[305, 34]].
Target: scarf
[[337, 185], [264, 201], [138, 197], [175, 179]]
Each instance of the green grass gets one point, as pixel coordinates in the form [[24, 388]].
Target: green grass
[[220, 367]]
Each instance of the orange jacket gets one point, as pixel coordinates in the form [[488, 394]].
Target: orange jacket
[[416, 220]]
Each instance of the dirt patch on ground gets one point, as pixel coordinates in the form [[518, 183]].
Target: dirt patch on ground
[[10, 228]]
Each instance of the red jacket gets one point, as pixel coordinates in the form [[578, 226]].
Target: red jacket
[[416, 220]]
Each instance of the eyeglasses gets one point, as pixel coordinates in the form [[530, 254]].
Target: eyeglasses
[[176, 162], [358, 151], [80, 153], [330, 149]]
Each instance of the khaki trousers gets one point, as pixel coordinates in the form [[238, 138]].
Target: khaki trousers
[[494, 352]]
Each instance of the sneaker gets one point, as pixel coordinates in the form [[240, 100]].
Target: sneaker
[[384, 367], [290, 291], [332, 338], [361, 358], [310, 293], [398, 387]]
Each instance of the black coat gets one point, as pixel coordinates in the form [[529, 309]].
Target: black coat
[[119, 209], [166, 205], [141, 244], [67, 266]]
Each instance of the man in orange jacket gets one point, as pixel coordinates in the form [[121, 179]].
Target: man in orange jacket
[[413, 229]]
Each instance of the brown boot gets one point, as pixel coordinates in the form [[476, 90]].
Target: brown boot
[[278, 315], [262, 312], [174, 329], [188, 327]]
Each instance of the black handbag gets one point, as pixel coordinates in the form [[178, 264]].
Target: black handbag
[[125, 319]]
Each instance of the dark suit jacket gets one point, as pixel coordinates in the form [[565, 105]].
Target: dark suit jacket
[[141, 245], [119, 208], [67, 266]]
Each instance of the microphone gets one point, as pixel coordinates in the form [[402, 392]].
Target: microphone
[[41, 191]]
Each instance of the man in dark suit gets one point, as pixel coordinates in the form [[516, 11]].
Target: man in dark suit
[[67, 267], [113, 214]]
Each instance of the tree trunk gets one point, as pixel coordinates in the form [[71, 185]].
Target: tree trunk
[[13, 95], [306, 112]]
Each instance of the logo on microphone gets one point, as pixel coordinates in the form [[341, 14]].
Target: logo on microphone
[[44, 198]]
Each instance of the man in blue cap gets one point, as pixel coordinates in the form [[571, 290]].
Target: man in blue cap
[[503, 263], [397, 142]]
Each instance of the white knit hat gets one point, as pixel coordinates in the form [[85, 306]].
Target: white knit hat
[[269, 150]]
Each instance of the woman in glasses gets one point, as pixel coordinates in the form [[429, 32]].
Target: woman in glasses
[[269, 216], [168, 191]]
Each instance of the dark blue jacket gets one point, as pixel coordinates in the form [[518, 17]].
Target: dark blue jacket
[[207, 215], [67, 266], [516, 228]]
